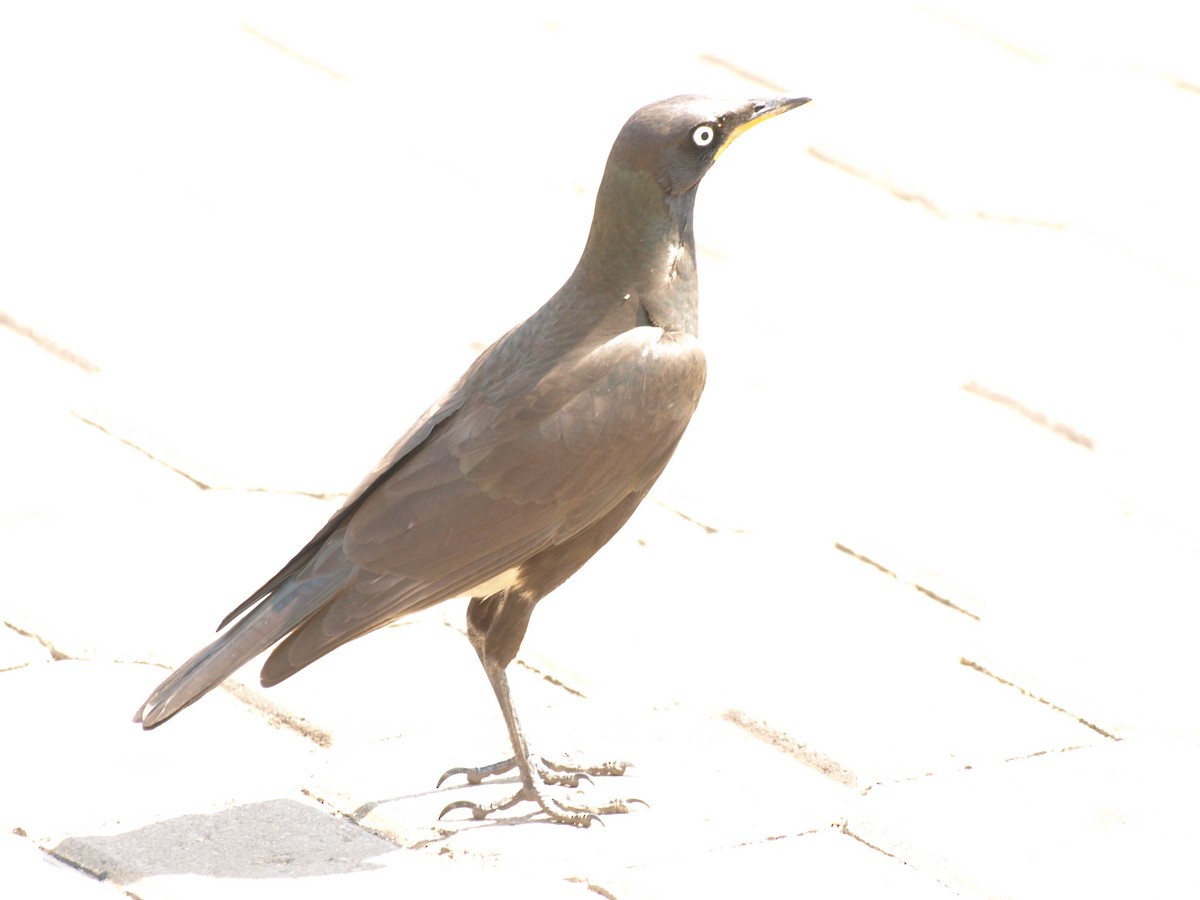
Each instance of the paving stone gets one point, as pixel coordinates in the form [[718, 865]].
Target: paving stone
[[18, 649], [31, 872], [1049, 559], [823, 863], [89, 768], [171, 559], [1104, 821], [860, 669]]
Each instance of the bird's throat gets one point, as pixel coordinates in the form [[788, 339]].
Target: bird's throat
[[641, 250]]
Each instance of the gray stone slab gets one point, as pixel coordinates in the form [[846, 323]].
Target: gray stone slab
[[251, 849], [279, 838]]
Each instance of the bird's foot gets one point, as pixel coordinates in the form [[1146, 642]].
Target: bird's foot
[[560, 811], [544, 774], [547, 770]]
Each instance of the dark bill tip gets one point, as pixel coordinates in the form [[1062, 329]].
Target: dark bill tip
[[773, 106]]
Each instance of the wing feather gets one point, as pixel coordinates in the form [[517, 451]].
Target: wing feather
[[501, 481]]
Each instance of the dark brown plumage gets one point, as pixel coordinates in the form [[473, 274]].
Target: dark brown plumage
[[531, 462]]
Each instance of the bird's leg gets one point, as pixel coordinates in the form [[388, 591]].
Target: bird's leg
[[534, 778], [536, 773]]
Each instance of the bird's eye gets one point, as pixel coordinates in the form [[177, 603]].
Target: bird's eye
[[703, 136]]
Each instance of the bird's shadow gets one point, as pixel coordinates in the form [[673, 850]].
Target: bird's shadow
[[272, 839]]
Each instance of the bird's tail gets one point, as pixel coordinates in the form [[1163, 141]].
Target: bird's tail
[[288, 606]]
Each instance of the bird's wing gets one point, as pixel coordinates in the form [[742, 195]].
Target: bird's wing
[[534, 469], [417, 435], [495, 484]]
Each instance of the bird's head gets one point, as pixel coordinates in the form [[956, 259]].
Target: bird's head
[[677, 140]]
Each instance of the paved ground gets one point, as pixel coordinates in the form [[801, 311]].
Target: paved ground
[[913, 611]]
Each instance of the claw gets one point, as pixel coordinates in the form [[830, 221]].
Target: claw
[[551, 772], [459, 804], [564, 779], [481, 812], [560, 812], [609, 768], [476, 774], [544, 773]]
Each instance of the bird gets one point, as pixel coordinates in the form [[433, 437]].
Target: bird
[[527, 465]]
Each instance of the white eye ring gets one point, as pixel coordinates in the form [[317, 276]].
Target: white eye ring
[[703, 136]]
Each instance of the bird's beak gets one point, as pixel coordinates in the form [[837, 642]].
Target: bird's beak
[[760, 111]]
